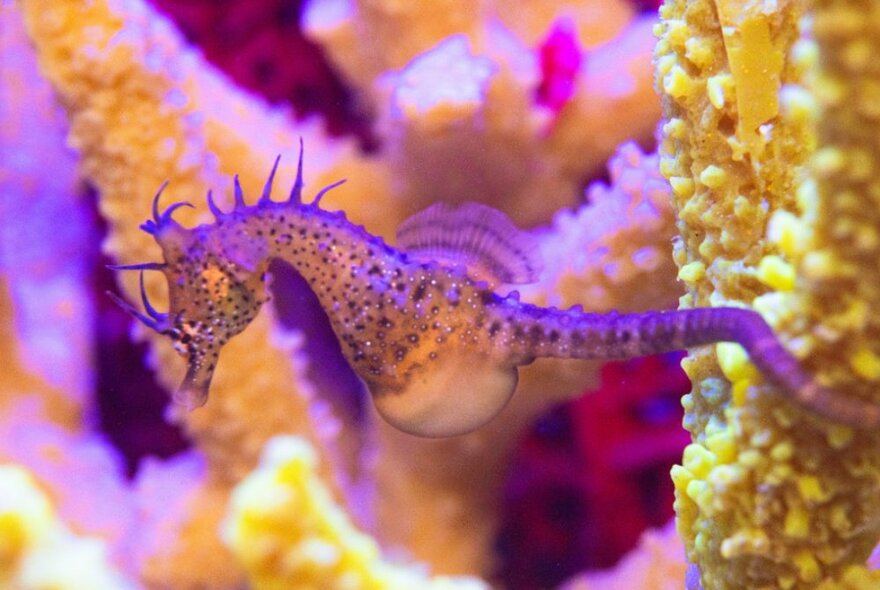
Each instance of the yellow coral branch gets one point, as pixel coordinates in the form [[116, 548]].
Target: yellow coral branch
[[766, 496], [37, 551], [288, 533]]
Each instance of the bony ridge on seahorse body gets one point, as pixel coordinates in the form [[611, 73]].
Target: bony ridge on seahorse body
[[436, 347]]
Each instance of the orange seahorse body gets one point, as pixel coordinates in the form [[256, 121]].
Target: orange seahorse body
[[437, 348]]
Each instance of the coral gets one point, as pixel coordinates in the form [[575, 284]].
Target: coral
[[766, 493], [38, 551], [45, 238], [438, 139], [129, 146], [768, 496], [657, 558], [74, 469], [143, 109], [46, 313], [286, 530], [602, 252]]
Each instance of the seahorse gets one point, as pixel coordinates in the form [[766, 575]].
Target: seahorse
[[420, 323]]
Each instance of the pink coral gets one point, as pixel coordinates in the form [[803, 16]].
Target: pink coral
[[560, 58]]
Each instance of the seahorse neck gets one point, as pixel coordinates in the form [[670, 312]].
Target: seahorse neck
[[329, 251]]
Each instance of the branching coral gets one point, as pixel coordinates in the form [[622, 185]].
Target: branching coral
[[142, 110], [134, 124], [766, 496], [285, 528], [440, 139], [39, 219], [37, 551]]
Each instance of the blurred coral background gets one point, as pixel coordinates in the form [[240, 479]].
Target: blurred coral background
[[589, 476]]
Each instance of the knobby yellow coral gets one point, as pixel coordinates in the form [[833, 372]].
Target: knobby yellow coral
[[286, 530], [767, 496], [37, 551]]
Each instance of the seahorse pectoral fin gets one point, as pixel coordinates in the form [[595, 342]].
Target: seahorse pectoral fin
[[454, 395]]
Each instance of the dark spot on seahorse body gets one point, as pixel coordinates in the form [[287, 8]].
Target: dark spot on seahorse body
[[536, 334]]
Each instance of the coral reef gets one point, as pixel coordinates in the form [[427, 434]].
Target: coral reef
[[286, 531], [769, 150], [43, 262], [439, 139], [142, 110], [38, 551], [517, 107], [655, 563]]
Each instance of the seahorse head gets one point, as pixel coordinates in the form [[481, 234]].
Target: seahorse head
[[213, 294], [211, 299]]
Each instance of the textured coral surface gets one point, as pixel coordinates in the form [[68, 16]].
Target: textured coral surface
[[768, 496]]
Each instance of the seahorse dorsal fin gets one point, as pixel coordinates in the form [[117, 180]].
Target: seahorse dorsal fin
[[477, 236]]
